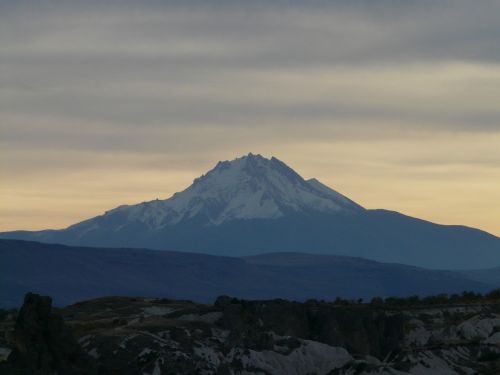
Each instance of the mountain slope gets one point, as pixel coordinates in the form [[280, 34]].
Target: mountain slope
[[253, 205], [70, 274]]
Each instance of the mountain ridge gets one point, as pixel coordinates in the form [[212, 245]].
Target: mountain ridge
[[71, 274], [252, 205]]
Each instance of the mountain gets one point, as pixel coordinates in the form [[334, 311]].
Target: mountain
[[253, 205], [249, 187], [70, 274]]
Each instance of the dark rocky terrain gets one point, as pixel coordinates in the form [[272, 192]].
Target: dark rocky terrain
[[124, 335], [41, 343]]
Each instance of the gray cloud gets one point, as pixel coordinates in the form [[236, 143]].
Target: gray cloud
[[86, 60], [155, 76]]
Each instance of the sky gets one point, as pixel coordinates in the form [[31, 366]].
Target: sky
[[395, 104]]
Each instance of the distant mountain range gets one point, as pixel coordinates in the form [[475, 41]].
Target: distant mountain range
[[253, 205], [71, 274]]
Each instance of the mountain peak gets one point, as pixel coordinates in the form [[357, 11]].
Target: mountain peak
[[248, 187], [246, 161]]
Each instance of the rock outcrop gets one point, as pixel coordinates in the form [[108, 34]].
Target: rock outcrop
[[42, 344]]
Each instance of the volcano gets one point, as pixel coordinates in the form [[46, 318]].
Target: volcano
[[253, 205]]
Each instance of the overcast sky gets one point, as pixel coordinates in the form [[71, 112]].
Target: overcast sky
[[393, 103]]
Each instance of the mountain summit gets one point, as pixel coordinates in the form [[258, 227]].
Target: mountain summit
[[249, 187], [252, 205]]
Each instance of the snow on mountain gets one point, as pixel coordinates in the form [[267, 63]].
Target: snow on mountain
[[248, 187]]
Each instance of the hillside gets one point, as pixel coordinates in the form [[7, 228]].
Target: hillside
[[70, 274]]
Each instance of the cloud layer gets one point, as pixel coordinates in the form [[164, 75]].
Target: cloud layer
[[393, 103]]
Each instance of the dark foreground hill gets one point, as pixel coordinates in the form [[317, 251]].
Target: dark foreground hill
[[128, 336], [70, 274]]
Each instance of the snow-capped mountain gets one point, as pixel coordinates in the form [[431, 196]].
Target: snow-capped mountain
[[253, 205], [249, 187]]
